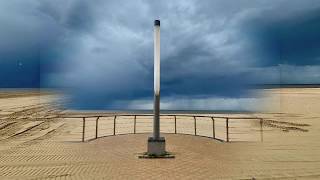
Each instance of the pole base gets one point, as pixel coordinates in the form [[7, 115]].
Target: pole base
[[156, 147], [145, 155]]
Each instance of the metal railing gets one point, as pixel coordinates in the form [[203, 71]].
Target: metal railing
[[226, 120]]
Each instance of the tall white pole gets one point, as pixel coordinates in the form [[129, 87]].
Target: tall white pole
[[156, 144], [156, 121]]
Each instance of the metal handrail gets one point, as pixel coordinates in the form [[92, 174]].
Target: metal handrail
[[112, 115], [227, 118]]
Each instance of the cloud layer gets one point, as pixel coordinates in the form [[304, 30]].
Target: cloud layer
[[101, 52]]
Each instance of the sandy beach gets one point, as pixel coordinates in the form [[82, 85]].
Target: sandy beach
[[39, 141]]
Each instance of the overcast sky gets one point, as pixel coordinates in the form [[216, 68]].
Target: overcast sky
[[101, 52]]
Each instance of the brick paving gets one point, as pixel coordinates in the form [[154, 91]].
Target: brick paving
[[115, 157]]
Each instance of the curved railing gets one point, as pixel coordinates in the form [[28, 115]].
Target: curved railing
[[221, 128]]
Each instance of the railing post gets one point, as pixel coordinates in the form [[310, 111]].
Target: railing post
[[227, 129], [114, 125], [213, 129], [97, 127], [175, 124], [195, 125], [134, 124], [83, 128], [261, 129]]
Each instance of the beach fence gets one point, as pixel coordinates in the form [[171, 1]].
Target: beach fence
[[222, 128]]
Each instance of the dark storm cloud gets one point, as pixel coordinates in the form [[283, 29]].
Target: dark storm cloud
[[73, 15], [25, 36], [101, 52], [291, 40], [33, 35]]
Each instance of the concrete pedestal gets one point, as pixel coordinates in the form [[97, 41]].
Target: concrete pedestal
[[156, 147]]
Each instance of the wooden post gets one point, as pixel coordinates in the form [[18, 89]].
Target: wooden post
[[195, 125], [261, 129], [213, 129], [227, 129], [134, 124], [114, 125], [175, 124], [83, 128], [97, 127]]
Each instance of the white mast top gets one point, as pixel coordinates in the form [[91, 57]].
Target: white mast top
[[157, 57]]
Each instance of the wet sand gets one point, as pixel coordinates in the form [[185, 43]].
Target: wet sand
[[35, 143]]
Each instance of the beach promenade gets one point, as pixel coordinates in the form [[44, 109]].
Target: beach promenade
[[36, 143]]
